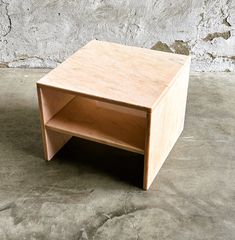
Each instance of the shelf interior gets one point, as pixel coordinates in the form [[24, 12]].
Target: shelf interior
[[102, 122]]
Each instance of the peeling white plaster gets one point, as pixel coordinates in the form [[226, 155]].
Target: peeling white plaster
[[43, 33]]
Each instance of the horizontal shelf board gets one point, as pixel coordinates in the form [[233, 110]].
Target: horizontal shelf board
[[87, 119]]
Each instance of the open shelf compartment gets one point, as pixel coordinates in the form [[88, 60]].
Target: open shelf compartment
[[101, 122]]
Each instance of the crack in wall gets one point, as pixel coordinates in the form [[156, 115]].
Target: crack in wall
[[24, 60], [202, 15], [8, 17], [226, 22], [213, 57], [26, 57], [226, 16]]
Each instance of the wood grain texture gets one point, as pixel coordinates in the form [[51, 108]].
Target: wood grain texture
[[126, 75], [50, 102], [123, 96], [86, 119], [165, 125]]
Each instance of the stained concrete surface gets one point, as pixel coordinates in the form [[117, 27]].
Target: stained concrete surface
[[92, 191], [43, 33]]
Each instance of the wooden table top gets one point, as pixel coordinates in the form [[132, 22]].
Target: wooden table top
[[127, 75]]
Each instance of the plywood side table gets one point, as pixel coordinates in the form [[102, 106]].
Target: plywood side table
[[127, 97]]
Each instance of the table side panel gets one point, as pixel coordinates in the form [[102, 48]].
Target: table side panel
[[51, 102], [166, 123]]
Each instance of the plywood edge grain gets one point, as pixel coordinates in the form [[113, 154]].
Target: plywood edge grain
[[98, 98], [146, 183], [42, 122], [52, 141]]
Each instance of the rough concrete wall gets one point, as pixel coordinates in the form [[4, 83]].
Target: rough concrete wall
[[43, 33]]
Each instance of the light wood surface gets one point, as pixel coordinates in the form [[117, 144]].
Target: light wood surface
[[165, 125], [86, 119], [126, 75], [126, 97], [50, 102]]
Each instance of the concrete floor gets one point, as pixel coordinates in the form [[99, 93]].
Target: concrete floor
[[85, 192]]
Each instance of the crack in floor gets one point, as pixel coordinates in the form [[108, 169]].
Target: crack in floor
[[130, 221]]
